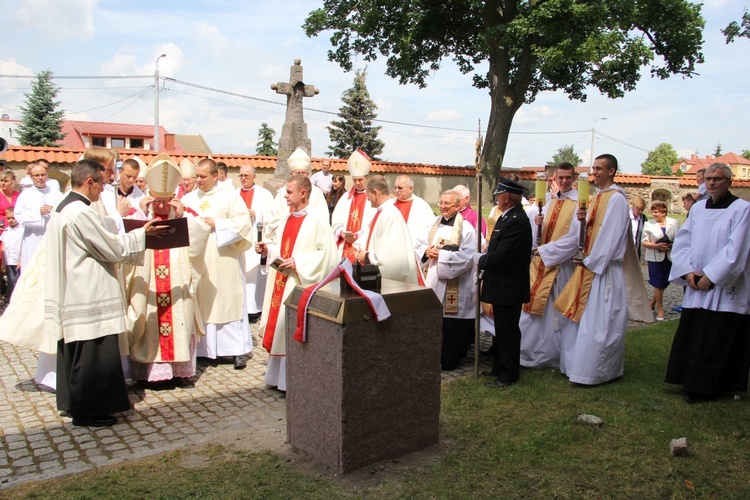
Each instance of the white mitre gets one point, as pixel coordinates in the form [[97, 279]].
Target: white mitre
[[187, 168], [299, 160], [359, 164], [163, 176], [142, 167]]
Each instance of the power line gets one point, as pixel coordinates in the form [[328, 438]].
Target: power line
[[314, 110]]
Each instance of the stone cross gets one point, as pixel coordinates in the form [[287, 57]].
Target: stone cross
[[294, 131]]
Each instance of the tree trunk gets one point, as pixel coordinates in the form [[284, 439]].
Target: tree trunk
[[503, 108]]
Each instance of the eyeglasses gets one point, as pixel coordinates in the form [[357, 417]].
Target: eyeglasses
[[715, 179], [444, 204]]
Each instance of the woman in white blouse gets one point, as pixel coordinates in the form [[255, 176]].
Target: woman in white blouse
[[658, 235]]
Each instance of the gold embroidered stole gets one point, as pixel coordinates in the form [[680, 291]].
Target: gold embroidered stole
[[557, 223], [572, 300], [451, 287]]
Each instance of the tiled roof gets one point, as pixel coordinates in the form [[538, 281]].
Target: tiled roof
[[193, 144], [25, 154], [732, 159]]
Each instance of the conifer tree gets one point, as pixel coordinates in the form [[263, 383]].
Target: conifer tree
[[42, 120], [266, 145], [355, 130]]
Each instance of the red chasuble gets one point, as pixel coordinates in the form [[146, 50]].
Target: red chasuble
[[354, 222], [291, 230], [404, 207]]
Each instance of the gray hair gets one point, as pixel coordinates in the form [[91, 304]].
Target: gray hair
[[722, 167], [462, 191]]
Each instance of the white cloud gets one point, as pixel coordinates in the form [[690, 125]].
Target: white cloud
[[59, 19], [210, 36], [443, 116]]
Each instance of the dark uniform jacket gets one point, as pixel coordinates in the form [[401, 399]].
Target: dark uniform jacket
[[506, 264]]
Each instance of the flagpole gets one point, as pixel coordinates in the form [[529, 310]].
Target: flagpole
[[478, 307]]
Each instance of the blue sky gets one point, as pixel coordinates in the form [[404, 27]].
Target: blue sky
[[245, 46]]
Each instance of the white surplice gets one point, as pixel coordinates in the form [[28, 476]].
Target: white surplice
[[420, 216], [451, 264], [220, 294], [389, 245], [27, 213], [715, 242], [255, 277]]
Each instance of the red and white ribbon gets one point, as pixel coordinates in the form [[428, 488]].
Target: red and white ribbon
[[374, 300]]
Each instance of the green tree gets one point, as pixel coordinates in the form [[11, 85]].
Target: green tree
[[717, 151], [42, 120], [660, 160], [266, 145], [745, 153], [530, 46], [354, 130], [566, 154], [736, 30]]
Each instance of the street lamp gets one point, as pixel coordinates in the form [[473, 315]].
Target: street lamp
[[591, 158], [156, 104]]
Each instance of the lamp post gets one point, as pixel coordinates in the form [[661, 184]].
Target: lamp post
[[591, 157], [156, 104]]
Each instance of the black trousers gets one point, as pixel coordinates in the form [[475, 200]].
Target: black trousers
[[456, 333], [507, 364], [90, 381]]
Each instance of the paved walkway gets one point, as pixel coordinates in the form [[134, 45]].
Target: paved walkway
[[37, 443]]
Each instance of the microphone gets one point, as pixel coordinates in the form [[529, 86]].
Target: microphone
[[259, 227]]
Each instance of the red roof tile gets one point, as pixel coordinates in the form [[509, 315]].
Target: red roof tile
[[25, 154]]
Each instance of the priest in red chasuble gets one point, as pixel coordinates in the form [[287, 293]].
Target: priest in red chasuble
[[302, 253]]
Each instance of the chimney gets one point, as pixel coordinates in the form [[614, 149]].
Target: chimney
[[709, 157], [169, 142], [693, 157]]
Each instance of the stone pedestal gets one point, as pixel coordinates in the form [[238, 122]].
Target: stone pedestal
[[359, 391]]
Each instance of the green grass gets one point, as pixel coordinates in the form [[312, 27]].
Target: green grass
[[520, 442]]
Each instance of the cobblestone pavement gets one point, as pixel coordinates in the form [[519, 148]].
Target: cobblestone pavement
[[37, 443]]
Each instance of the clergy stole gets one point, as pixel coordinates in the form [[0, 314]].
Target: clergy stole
[[557, 224], [247, 196], [372, 226], [573, 298], [354, 222], [404, 207], [291, 230], [451, 286], [163, 285]]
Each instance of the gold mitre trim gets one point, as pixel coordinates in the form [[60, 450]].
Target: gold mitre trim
[[163, 176]]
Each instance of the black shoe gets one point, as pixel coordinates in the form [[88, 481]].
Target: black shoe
[[253, 318], [497, 384], [95, 421], [239, 362]]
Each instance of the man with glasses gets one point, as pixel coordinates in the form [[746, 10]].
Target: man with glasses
[[447, 246], [33, 209], [83, 300], [711, 255]]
